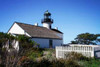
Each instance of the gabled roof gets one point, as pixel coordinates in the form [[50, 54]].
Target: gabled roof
[[39, 32]]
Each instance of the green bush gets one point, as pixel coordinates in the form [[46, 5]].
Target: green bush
[[34, 53], [92, 62], [72, 63], [75, 56], [47, 63], [27, 63]]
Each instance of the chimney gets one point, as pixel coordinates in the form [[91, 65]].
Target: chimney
[[36, 24], [56, 28]]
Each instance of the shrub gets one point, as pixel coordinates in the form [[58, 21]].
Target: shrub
[[26, 42], [45, 63], [26, 62], [92, 62], [75, 56], [34, 53], [72, 63]]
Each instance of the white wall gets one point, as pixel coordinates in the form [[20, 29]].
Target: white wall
[[57, 43], [47, 25], [16, 29], [44, 43]]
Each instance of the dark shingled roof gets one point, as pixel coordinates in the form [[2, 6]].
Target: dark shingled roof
[[57, 31], [39, 32]]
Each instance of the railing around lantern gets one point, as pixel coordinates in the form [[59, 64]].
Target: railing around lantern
[[47, 20]]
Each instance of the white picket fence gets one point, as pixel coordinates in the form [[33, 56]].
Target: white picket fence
[[86, 50]]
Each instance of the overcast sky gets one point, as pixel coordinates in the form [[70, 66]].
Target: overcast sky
[[72, 17]]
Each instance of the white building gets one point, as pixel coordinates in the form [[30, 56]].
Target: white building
[[46, 36], [86, 50]]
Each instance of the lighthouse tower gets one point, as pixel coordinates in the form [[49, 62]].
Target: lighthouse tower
[[47, 21]]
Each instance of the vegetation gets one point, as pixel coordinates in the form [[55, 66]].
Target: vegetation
[[32, 56], [4, 37], [72, 60], [86, 38], [75, 56], [91, 63], [10, 57], [34, 53]]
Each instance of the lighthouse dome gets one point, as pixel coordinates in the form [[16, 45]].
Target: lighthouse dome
[[47, 13]]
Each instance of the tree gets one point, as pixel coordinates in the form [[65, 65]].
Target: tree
[[86, 38], [26, 42], [4, 37], [11, 59]]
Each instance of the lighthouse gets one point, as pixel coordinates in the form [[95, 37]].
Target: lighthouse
[[47, 21]]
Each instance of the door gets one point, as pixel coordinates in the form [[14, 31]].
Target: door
[[50, 43]]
